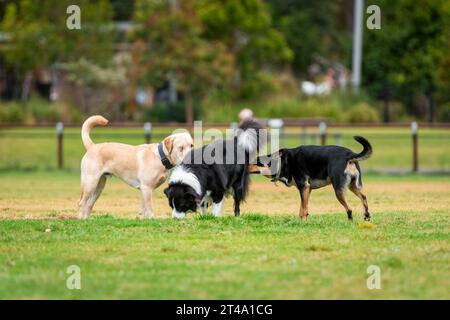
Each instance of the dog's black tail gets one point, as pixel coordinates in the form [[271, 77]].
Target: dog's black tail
[[367, 150]]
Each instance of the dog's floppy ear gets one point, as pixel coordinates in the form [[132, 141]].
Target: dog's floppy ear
[[168, 144], [280, 153], [168, 192], [196, 197], [198, 200]]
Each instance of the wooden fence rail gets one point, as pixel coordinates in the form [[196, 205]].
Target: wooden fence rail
[[273, 124]]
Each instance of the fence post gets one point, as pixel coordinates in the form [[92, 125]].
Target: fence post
[[337, 139], [233, 127], [278, 124], [304, 135], [59, 134], [323, 133], [414, 129], [148, 132]]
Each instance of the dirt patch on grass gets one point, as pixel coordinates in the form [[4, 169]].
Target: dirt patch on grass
[[382, 196], [58, 198]]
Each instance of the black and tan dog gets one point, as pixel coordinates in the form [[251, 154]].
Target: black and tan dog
[[313, 167]]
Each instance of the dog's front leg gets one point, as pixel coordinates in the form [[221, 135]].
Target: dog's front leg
[[204, 207], [147, 209], [217, 207]]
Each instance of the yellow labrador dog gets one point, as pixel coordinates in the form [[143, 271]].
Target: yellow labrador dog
[[144, 167]]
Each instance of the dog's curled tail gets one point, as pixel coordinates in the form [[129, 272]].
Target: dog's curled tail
[[367, 150], [87, 126]]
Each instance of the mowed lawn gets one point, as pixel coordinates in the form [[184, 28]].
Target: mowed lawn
[[267, 253]]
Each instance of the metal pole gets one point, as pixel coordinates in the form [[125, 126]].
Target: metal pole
[[337, 139], [233, 127], [148, 132], [59, 134], [278, 124], [414, 129], [357, 43], [323, 133], [304, 135]]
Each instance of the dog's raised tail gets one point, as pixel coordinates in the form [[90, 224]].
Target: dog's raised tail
[[87, 126], [367, 150]]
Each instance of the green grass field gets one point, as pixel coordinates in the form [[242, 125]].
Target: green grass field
[[36, 148], [267, 253]]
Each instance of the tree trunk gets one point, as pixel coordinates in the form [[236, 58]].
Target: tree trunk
[[431, 105], [132, 101], [188, 109], [26, 87], [138, 47], [386, 111]]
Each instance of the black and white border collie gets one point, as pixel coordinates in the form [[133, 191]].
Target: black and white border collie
[[209, 173]]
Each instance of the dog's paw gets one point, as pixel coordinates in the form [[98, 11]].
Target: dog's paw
[[178, 215]]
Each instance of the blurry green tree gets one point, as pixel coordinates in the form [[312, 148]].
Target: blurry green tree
[[233, 45], [314, 28], [246, 28], [408, 58], [123, 9], [169, 40], [40, 36]]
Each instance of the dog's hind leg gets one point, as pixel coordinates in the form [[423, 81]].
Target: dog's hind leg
[[340, 183], [358, 192], [239, 191], [305, 192], [340, 195], [237, 207], [90, 191]]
